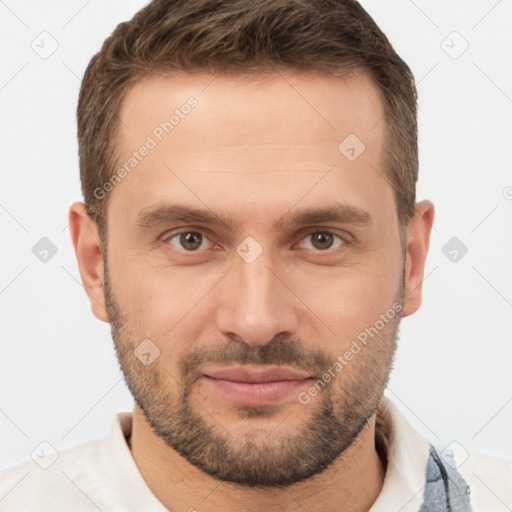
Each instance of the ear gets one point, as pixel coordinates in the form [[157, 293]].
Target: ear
[[418, 239], [86, 241]]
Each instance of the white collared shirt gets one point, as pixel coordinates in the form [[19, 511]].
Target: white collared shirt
[[102, 475]]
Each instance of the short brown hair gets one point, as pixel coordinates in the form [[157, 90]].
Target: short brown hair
[[337, 37]]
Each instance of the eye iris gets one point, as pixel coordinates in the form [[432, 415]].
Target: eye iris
[[324, 239], [195, 239]]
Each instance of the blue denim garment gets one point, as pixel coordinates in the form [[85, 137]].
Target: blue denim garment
[[445, 489]]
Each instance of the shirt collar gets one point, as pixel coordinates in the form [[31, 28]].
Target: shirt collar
[[126, 482], [406, 453], [407, 456]]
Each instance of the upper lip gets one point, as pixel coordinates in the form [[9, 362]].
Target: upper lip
[[241, 374]]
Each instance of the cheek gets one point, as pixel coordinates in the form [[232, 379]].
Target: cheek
[[147, 291], [175, 304], [167, 306], [347, 300]]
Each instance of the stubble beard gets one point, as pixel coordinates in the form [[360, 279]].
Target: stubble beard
[[276, 459]]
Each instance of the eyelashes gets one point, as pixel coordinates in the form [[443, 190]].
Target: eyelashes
[[198, 239]]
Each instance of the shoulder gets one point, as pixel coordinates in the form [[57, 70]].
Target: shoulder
[[483, 480], [48, 481], [489, 480], [446, 472]]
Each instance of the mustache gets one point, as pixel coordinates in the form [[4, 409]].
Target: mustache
[[281, 350]]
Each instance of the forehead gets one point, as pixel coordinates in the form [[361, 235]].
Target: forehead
[[236, 108], [264, 139]]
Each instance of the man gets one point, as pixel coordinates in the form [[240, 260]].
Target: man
[[251, 233]]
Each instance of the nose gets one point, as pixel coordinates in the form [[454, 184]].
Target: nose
[[256, 302]]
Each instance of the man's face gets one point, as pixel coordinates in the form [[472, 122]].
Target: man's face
[[255, 291]]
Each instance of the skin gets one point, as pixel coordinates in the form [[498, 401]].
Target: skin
[[258, 150]]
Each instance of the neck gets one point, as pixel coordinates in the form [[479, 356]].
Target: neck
[[351, 483]]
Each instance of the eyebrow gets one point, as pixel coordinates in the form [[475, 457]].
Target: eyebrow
[[342, 213]]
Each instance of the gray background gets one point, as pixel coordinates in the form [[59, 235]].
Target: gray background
[[59, 379]]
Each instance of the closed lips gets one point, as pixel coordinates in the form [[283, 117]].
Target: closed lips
[[250, 376]]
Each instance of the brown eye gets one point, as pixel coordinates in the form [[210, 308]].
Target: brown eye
[[323, 240], [188, 240]]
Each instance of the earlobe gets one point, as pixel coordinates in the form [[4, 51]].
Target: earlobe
[[418, 240], [86, 241]]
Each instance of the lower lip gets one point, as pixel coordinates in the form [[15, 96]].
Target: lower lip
[[257, 393]]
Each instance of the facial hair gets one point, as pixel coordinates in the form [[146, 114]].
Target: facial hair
[[341, 410]]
